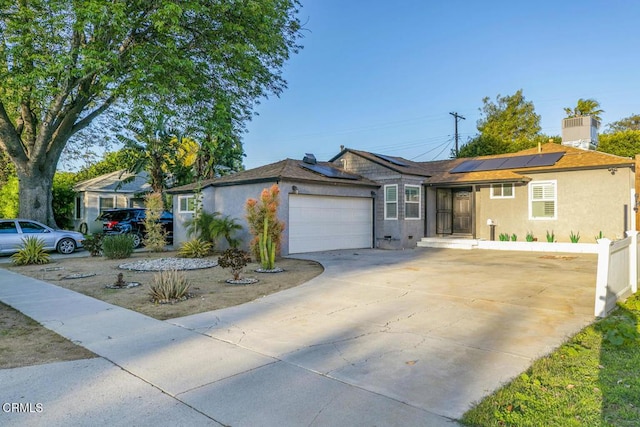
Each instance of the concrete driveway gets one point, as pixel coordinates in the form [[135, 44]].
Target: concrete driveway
[[436, 329]]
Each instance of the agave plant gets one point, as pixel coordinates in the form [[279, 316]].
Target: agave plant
[[32, 252]]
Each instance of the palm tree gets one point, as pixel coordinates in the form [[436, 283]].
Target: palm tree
[[585, 107]]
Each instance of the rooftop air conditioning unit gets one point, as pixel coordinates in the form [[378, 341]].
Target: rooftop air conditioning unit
[[580, 132]]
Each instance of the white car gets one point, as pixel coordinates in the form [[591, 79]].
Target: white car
[[13, 231]]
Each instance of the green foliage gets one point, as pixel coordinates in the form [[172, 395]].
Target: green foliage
[[110, 162], [507, 125], [195, 248], [64, 198], [590, 380], [117, 246], [625, 143], [514, 237], [551, 237], [234, 259], [628, 123], [575, 238], [599, 236], [155, 239], [503, 237], [530, 237], [9, 198], [7, 169], [257, 211], [585, 107], [72, 61], [203, 225], [93, 243], [169, 286], [32, 252]]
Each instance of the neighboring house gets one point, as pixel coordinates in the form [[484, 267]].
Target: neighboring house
[[360, 199], [109, 191], [321, 206]]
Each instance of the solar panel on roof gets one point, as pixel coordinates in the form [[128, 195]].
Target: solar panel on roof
[[466, 166], [328, 171], [545, 159], [502, 163], [391, 160]]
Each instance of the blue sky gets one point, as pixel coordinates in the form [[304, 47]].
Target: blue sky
[[383, 76]]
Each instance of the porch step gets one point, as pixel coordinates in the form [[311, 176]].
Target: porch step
[[447, 243]]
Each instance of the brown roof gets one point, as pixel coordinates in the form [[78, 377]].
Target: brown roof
[[406, 167], [288, 169], [573, 159]]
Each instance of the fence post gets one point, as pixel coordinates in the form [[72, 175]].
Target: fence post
[[633, 260], [602, 277]]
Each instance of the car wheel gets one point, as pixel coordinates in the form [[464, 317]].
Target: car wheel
[[66, 246], [83, 228], [137, 240]]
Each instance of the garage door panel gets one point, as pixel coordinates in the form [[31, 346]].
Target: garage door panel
[[318, 223]]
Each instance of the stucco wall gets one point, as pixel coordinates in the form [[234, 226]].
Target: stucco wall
[[588, 202], [230, 200]]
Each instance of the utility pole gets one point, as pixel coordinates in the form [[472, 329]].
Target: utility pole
[[457, 117]]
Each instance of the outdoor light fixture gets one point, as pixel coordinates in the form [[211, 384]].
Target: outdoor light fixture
[[294, 189]]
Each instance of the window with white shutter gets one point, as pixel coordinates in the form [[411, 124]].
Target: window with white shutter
[[543, 200], [391, 201]]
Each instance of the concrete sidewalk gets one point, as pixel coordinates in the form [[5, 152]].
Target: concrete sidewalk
[[155, 372]]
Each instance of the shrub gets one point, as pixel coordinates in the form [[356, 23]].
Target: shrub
[[514, 237], [32, 252], [118, 246], [202, 225], [551, 237], [195, 248], [226, 227], [93, 244], [504, 237], [530, 237], [235, 260], [169, 286], [155, 239]]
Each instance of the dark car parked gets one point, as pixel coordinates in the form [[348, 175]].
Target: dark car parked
[[131, 220]]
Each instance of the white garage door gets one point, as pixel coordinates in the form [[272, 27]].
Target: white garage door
[[321, 223]]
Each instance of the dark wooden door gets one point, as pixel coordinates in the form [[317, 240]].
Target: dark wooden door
[[444, 210], [462, 211]]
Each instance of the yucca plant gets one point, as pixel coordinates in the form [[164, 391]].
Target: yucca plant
[[118, 246], [169, 286], [32, 252], [195, 248]]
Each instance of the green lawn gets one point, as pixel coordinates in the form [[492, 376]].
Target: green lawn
[[592, 380]]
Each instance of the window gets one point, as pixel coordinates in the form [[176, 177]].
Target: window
[[8, 227], [543, 200], [186, 204], [391, 201], [411, 202], [106, 203], [78, 207], [29, 227], [502, 191]]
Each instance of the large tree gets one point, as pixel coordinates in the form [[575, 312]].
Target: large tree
[[507, 125], [625, 143], [628, 123], [63, 63]]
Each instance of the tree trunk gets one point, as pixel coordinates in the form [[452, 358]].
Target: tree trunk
[[35, 193]]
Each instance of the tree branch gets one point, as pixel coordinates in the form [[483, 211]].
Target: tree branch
[[9, 139]]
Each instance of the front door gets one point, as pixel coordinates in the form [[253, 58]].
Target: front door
[[444, 208], [462, 217]]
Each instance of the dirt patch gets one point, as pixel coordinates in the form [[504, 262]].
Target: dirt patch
[[24, 342], [92, 275]]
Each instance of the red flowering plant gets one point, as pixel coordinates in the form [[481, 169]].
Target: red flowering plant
[[264, 225]]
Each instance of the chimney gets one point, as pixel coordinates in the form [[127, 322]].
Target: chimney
[[580, 132]]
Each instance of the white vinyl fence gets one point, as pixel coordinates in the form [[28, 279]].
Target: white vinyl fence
[[617, 276]]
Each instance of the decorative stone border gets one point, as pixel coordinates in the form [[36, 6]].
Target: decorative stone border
[[165, 264], [273, 270], [245, 281], [78, 276], [129, 285]]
